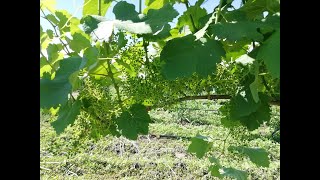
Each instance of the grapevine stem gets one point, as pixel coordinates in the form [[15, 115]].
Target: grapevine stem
[[99, 7], [191, 18], [48, 61], [224, 144], [218, 12], [57, 35], [145, 47], [116, 87], [145, 44]]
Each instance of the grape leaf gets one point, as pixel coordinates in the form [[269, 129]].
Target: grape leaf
[[214, 160], [196, 12], [272, 23], [54, 92], [184, 56], [79, 41], [122, 41], [48, 4], [126, 11], [158, 18], [134, 121], [52, 19], [254, 87], [234, 173], [44, 66], [258, 156], [90, 56], [269, 52], [50, 33], [199, 145], [237, 31], [243, 105], [92, 7], [262, 114], [199, 34], [163, 34], [53, 52], [255, 8], [75, 81], [154, 4], [66, 116], [91, 22], [214, 169], [64, 21], [229, 123], [155, 22]]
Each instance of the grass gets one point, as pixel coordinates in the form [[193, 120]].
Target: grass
[[154, 156]]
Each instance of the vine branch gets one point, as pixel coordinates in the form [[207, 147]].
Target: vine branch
[[48, 61], [218, 12], [99, 7], [56, 32], [191, 18], [110, 73], [145, 43]]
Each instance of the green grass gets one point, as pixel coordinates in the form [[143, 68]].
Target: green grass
[[155, 157]]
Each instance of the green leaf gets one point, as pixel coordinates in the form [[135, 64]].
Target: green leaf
[[92, 7], [214, 160], [154, 4], [262, 114], [269, 52], [238, 31], [91, 22], [184, 56], [122, 41], [229, 123], [258, 156], [75, 81], [67, 115], [55, 92], [254, 9], [214, 169], [44, 66], [158, 18], [243, 105], [64, 22], [273, 6], [48, 4], [50, 33], [254, 87], [196, 12], [272, 23], [53, 51], [163, 34], [90, 56], [126, 11], [155, 22], [199, 34], [199, 145], [79, 41], [234, 173], [134, 121], [52, 19]]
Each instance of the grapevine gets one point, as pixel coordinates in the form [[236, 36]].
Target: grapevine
[[107, 74]]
